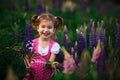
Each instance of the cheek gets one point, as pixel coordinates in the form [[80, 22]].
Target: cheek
[[40, 31], [53, 32]]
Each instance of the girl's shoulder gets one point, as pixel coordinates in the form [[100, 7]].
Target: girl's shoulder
[[55, 45], [54, 42], [55, 48], [36, 39]]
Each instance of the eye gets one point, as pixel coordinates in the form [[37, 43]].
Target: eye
[[42, 26], [50, 27]]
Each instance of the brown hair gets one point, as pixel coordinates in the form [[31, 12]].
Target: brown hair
[[58, 21]]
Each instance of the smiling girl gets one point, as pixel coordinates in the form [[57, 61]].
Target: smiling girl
[[44, 47]]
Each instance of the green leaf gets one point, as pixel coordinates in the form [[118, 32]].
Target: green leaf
[[57, 75]]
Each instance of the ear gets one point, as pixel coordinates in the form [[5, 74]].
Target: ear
[[37, 28]]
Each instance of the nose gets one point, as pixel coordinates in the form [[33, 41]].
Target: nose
[[46, 29]]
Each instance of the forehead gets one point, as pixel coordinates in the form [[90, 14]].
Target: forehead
[[45, 22]]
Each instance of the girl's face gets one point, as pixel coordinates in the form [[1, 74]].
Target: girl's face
[[46, 29]]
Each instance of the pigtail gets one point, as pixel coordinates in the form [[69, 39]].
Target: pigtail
[[58, 22], [34, 21]]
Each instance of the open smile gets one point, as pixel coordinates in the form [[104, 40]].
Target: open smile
[[46, 34]]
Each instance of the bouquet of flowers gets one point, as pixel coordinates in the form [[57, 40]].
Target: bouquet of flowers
[[26, 52]]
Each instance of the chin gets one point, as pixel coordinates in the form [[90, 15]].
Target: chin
[[44, 37], [47, 36]]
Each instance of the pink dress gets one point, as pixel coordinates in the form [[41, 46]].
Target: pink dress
[[38, 63]]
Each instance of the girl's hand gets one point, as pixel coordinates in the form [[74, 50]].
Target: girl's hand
[[54, 64], [27, 63]]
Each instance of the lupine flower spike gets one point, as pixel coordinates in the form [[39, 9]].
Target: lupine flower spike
[[69, 63], [81, 40], [83, 65], [92, 37], [66, 41], [96, 52]]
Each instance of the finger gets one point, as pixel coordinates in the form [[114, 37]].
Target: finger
[[27, 63], [33, 55], [55, 63]]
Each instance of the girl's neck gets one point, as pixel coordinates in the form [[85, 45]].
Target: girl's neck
[[44, 42], [44, 39]]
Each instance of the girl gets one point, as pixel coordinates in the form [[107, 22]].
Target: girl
[[44, 47]]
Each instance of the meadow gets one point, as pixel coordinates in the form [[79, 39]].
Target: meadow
[[85, 23]]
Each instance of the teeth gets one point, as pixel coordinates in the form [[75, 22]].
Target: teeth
[[45, 33]]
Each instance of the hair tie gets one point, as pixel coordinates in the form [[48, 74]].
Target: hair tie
[[55, 17], [38, 17]]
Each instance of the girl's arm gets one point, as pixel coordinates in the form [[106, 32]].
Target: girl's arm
[[54, 50], [52, 59]]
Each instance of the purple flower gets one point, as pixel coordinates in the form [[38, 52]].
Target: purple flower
[[27, 47], [98, 58], [65, 31], [92, 37], [60, 57], [54, 4], [57, 4], [100, 65], [92, 40], [81, 40], [60, 67], [91, 25], [75, 51], [28, 34], [100, 35], [39, 8], [83, 5], [118, 37], [28, 37], [75, 47], [60, 5], [69, 65], [66, 41], [27, 6], [68, 44]]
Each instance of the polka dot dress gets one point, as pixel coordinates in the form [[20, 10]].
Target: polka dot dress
[[38, 71]]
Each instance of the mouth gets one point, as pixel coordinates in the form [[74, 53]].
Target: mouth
[[46, 33]]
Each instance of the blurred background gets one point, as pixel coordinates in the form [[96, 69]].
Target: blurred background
[[85, 22], [16, 14]]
